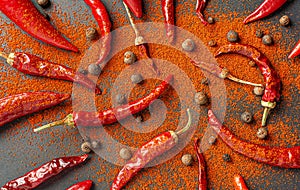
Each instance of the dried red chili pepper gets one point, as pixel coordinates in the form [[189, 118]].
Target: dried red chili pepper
[[202, 179], [28, 18], [135, 6], [112, 115], [200, 6], [271, 78], [296, 51], [169, 14], [16, 106], [265, 9], [39, 175], [101, 15], [33, 65], [84, 185], [150, 150], [239, 183], [274, 156]]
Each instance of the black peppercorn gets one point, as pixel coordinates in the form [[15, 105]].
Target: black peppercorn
[[267, 40], [232, 36], [246, 117]]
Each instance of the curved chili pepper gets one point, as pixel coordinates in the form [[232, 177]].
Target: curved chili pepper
[[84, 185], [274, 156], [265, 9], [33, 65], [202, 181], [39, 175], [150, 150], [296, 51], [239, 183], [169, 14], [112, 115], [135, 6], [271, 78], [16, 106], [28, 18], [200, 6], [100, 14]]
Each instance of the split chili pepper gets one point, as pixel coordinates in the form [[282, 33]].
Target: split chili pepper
[[202, 179], [27, 17], [296, 51], [169, 14], [16, 106], [221, 72], [39, 175], [84, 185], [150, 150], [271, 78], [112, 115], [101, 15], [239, 183], [265, 9], [200, 6], [33, 65], [135, 6], [274, 156]]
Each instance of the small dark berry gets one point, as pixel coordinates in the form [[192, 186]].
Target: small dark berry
[[212, 43], [187, 159], [43, 3], [284, 20], [136, 78], [94, 69], [125, 153], [210, 20], [246, 117], [232, 36], [188, 45], [267, 40], [91, 33], [259, 33], [121, 99], [226, 157], [129, 57], [201, 98], [262, 133]]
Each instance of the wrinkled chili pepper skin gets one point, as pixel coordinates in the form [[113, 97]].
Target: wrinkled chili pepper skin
[[265, 9], [142, 156], [274, 156], [114, 114], [101, 15], [239, 183], [24, 14], [135, 7], [200, 6], [271, 78], [16, 106], [296, 51], [202, 179], [33, 65], [169, 14], [39, 175], [84, 185]]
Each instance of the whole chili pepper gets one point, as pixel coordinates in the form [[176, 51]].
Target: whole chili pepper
[[275, 156], [33, 65], [265, 9], [84, 185], [135, 6], [169, 14], [39, 175], [100, 14], [296, 51], [28, 18], [150, 150], [202, 179], [221, 72], [16, 106], [112, 115], [239, 183], [200, 6], [271, 78]]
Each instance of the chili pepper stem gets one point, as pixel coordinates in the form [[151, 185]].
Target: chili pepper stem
[[229, 76], [267, 107], [188, 125], [66, 121], [4, 55]]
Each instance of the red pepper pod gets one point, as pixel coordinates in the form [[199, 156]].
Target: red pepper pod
[[39, 175], [202, 179], [135, 7], [296, 51], [24, 14], [200, 6], [169, 15], [84, 185], [16, 106], [239, 183], [274, 156]]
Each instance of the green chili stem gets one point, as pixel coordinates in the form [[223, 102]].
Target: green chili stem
[[265, 116], [66, 121], [188, 125]]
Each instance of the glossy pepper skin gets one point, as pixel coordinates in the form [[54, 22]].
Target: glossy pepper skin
[[296, 51], [135, 7], [239, 183], [265, 9], [274, 156], [169, 15], [101, 15], [200, 6], [33, 65], [24, 14], [202, 179], [84, 185], [39, 175], [16, 106]]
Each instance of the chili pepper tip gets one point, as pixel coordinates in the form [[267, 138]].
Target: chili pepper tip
[[188, 125], [66, 121]]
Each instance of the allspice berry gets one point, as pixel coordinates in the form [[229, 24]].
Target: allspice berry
[[210, 20], [43, 3], [284, 20], [201, 98], [258, 91], [129, 57], [125, 153], [91, 33], [232, 36], [86, 147], [187, 159], [188, 45], [267, 40], [262, 133], [246, 117]]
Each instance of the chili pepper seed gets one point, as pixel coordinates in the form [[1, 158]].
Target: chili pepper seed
[[262, 133], [212, 43], [91, 33], [232, 36], [226, 158], [129, 57], [188, 45], [187, 159], [210, 20], [86, 147], [94, 69], [246, 117], [284, 20], [43, 3], [259, 33], [125, 153], [121, 99], [201, 98], [136, 78], [267, 40], [258, 91]]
